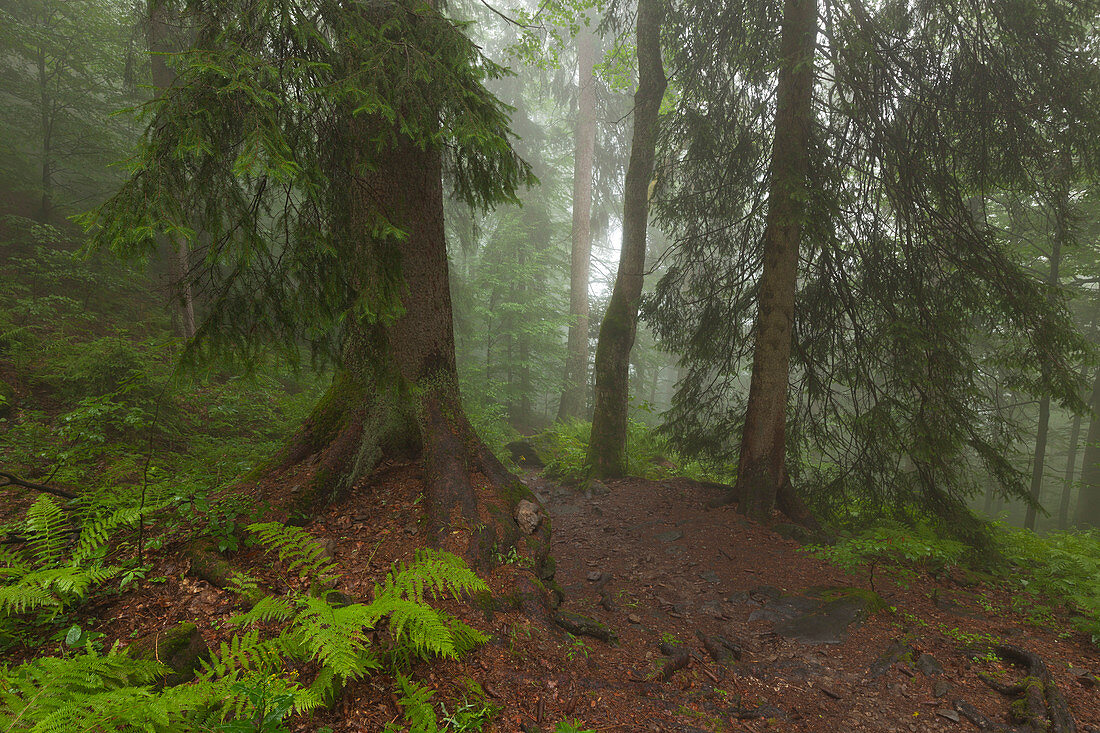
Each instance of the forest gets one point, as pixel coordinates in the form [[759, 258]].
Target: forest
[[556, 367]]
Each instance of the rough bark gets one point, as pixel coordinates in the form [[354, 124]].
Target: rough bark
[[573, 397], [762, 471], [1071, 464], [1088, 501], [396, 393], [1038, 462], [159, 40], [607, 447]]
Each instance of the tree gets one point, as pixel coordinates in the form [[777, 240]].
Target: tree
[[63, 68], [307, 140], [575, 390], [899, 275], [607, 447]]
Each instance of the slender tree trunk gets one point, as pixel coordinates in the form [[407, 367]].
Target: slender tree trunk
[[1071, 467], [45, 114], [1038, 463], [607, 447], [573, 397], [1088, 500], [762, 474], [158, 38]]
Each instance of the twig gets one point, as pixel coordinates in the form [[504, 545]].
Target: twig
[[7, 479]]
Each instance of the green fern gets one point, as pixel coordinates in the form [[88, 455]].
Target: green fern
[[298, 549], [416, 704]]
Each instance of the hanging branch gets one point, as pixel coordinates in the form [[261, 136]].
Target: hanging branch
[[7, 479]]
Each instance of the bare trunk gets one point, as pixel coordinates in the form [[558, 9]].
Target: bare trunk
[[573, 397], [45, 105], [1039, 460], [607, 447], [158, 39], [1088, 501], [1071, 467], [762, 474]]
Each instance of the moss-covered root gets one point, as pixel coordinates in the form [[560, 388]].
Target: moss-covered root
[[1040, 705], [180, 648], [210, 565]]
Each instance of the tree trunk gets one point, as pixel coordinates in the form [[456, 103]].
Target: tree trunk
[[1039, 460], [1071, 463], [158, 38], [396, 392], [573, 397], [45, 114], [762, 474], [607, 447], [1088, 501]]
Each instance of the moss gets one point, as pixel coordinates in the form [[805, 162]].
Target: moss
[[872, 601], [180, 648]]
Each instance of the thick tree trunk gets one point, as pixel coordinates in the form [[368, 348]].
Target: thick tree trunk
[[159, 40], [573, 397], [762, 473], [396, 393], [1088, 500], [607, 447], [1038, 463]]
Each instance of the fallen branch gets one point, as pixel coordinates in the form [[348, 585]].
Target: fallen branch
[[7, 479]]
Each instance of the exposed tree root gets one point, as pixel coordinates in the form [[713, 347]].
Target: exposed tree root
[[1039, 705]]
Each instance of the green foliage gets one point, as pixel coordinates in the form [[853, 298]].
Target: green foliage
[[900, 550], [1062, 567], [416, 704], [296, 548], [270, 701], [571, 726], [48, 573], [563, 447]]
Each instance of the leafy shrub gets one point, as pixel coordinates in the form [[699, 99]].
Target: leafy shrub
[[1062, 566], [901, 551]]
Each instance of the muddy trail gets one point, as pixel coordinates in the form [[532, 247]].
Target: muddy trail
[[706, 622]]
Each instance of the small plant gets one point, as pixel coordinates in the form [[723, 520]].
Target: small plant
[[577, 648], [900, 551], [571, 726], [270, 700]]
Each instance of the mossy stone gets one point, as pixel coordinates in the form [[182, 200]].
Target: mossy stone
[[180, 648]]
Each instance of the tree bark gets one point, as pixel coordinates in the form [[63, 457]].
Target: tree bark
[[1088, 501], [762, 472], [396, 391], [1039, 460], [1071, 464], [607, 447], [573, 397], [159, 40]]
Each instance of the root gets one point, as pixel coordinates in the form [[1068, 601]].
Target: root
[[1039, 704]]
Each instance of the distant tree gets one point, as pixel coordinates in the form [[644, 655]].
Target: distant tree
[[607, 446], [309, 141], [864, 251], [63, 73]]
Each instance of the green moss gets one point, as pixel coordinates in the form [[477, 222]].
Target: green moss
[[873, 601]]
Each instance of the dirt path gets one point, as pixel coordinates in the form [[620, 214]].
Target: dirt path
[[655, 564]]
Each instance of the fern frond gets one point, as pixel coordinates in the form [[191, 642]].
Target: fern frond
[[436, 572], [243, 653], [298, 549], [421, 628], [267, 610], [335, 636], [96, 531], [416, 703], [47, 530]]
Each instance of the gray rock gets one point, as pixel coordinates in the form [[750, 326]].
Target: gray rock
[[928, 665], [710, 576], [940, 688], [671, 536], [596, 488], [528, 516]]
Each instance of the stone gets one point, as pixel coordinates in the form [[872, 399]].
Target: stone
[[595, 488], [180, 648], [671, 536], [580, 625], [940, 688], [634, 618], [594, 576], [928, 665], [710, 576], [524, 454], [528, 516], [949, 714]]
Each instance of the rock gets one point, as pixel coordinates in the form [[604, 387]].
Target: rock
[[634, 618], [524, 454], [940, 688], [928, 665], [180, 648], [896, 652], [595, 488], [710, 576], [670, 536], [594, 576], [949, 714], [721, 649], [528, 516], [579, 625]]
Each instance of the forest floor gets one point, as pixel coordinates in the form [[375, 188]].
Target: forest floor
[[656, 565]]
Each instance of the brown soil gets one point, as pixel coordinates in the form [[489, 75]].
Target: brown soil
[[662, 585]]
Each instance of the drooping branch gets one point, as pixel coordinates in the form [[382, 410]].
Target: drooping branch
[[7, 479]]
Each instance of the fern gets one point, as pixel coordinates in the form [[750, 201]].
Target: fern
[[416, 703], [440, 573], [47, 531], [298, 549]]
